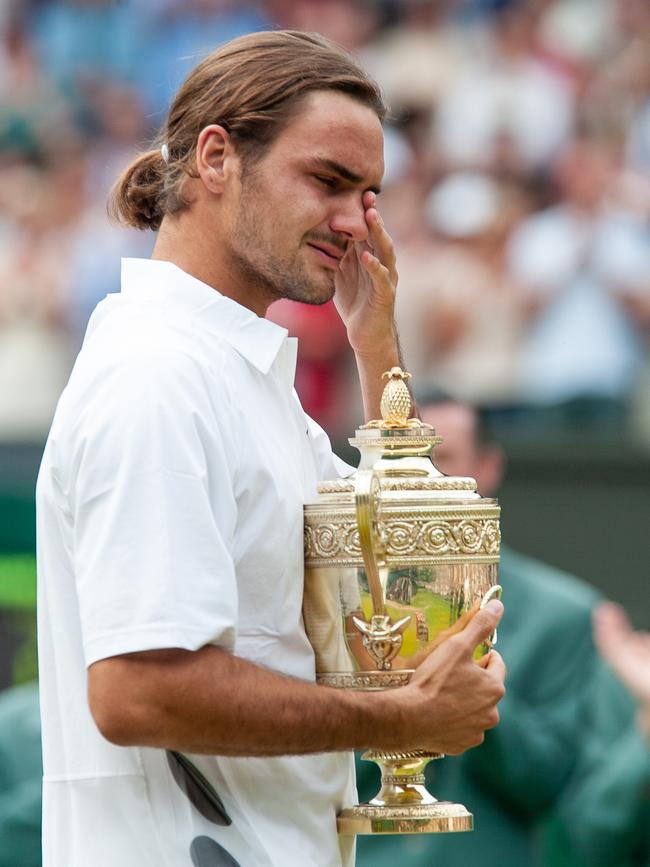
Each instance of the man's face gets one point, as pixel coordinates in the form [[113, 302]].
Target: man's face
[[461, 453], [458, 454], [300, 206]]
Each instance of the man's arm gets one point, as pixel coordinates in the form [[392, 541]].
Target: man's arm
[[209, 701], [365, 299], [603, 816]]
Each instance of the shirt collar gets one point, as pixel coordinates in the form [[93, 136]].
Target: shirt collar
[[257, 339]]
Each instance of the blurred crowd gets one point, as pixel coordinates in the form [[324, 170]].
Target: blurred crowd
[[517, 190]]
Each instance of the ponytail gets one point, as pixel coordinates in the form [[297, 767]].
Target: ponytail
[[137, 198]]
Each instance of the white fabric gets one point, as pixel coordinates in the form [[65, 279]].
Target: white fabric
[[170, 515]]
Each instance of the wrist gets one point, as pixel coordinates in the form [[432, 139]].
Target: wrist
[[386, 718], [383, 358], [382, 347]]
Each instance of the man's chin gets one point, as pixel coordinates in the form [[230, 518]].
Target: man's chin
[[315, 292], [326, 294]]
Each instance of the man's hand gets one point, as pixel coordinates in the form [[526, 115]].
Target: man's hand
[[627, 652], [365, 283], [451, 700]]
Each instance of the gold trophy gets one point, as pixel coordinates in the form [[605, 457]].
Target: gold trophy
[[397, 558]]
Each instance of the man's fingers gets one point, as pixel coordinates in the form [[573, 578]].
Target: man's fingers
[[611, 622], [496, 665], [380, 240], [382, 243], [483, 624], [379, 273], [369, 199]]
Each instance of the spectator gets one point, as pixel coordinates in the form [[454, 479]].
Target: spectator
[[185, 33], [457, 303], [585, 263], [33, 111], [604, 816], [504, 92], [80, 42], [416, 60], [35, 347]]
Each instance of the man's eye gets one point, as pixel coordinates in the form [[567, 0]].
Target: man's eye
[[328, 182]]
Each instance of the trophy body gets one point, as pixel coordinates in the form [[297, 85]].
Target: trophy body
[[397, 558]]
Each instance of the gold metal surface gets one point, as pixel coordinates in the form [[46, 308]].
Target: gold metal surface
[[366, 493], [409, 536], [396, 399], [367, 680], [397, 559], [339, 486], [396, 403], [443, 816]]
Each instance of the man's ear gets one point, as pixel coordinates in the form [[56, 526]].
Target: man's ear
[[215, 157]]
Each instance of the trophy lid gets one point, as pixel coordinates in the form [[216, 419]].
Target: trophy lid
[[398, 447]]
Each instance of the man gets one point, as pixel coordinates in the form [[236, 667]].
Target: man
[[513, 780], [171, 492], [603, 816]]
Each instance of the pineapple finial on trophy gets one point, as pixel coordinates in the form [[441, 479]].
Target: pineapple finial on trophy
[[396, 399], [396, 403]]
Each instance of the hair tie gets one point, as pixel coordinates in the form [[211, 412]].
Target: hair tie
[[164, 150]]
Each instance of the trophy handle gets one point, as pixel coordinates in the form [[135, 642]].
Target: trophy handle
[[493, 593], [366, 494]]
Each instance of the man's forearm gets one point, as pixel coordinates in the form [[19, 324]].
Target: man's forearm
[[195, 702], [371, 367]]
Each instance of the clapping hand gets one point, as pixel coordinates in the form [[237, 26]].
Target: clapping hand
[[627, 652]]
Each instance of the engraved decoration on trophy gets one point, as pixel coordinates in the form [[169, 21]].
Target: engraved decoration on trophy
[[397, 558]]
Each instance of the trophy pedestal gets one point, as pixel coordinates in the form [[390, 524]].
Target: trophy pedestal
[[403, 805], [443, 816]]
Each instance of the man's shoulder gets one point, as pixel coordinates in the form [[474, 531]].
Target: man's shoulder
[[130, 348], [123, 333], [140, 371]]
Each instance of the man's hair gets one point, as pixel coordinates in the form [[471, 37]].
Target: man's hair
[[253, 86]]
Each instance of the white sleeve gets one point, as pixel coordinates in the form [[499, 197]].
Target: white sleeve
[[330, 466], [152, 558]]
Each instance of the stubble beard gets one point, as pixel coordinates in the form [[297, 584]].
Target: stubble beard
[[263, 270]]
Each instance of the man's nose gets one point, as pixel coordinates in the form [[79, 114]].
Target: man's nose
[[349, 219]]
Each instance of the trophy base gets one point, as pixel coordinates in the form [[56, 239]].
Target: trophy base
[[403, 805], [437, 818]]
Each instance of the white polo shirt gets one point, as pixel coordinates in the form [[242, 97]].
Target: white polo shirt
[[169, 507]]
